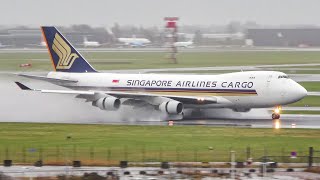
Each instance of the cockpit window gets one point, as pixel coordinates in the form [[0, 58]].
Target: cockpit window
[[283, 76]]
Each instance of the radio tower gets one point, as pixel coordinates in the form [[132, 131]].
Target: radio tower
[[172, 37]]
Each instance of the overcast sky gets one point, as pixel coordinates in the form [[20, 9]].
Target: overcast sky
[[151, 12]]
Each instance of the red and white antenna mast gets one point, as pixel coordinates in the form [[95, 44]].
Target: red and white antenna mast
[[172, 37]]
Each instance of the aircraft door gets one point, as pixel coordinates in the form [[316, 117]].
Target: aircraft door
[[268, 85], [274, 83], [283, 83]]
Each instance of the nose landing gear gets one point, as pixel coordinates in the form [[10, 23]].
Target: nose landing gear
[[276, 113]]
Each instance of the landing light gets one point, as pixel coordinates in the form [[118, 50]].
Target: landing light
[[277, 110]]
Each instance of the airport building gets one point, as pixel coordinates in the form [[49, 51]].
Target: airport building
[[294, 37], [21, 37]]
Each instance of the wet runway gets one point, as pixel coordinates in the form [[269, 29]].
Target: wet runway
[[151, 173], [20, 106], [286, 121]]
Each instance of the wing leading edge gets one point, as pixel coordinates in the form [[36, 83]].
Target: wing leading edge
[[52, 80]]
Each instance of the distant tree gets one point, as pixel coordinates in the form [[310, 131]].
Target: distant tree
[[102, 35], [234, 27], [151, 33], [134, 31], [116, 30], [82, 28], [250, 25], [197, 39]]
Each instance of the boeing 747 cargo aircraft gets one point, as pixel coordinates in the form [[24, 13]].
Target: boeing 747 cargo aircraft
[[168, 94]]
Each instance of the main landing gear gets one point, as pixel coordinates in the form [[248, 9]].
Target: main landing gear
[[276, 112]]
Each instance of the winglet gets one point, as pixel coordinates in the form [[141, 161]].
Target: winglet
[[22, 86]]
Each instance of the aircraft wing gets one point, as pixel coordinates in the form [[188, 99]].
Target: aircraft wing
[[52, 80], [145, 96], [95, 95], [24, 87]]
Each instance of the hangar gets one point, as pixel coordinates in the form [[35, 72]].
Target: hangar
[[295, 37]]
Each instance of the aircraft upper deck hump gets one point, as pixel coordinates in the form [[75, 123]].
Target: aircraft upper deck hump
[[64, 57]]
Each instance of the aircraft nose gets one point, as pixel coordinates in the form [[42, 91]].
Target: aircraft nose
[[301, 92]]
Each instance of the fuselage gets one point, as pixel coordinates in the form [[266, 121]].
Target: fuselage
[[251, 89], [134, 41], [91, 44], [183, 44]]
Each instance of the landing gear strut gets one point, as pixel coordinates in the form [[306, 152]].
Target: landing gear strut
[[276, 113]]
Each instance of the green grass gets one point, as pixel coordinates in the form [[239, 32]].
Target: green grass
[[140, 60], [149, 143], [308, 100], [313, 101], [304, 67], [311, 86], [301, 112], [306, 71]]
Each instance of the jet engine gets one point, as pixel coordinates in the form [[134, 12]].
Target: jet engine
[[171, 107], [107, 103]]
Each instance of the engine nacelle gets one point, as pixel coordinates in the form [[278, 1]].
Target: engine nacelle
[[171, 107], [107, 103]]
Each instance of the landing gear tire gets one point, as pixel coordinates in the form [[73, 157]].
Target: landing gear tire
[[275, 116]]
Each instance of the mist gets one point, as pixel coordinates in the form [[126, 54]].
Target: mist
[[26, 106], [30, 106], [149, 13]]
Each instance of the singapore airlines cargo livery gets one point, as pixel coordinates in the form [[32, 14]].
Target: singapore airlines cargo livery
[[168, 94]]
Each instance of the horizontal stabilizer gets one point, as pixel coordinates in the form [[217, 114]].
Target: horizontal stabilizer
[[22, 86]]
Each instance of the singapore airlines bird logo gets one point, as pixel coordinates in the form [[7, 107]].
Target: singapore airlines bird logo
[[63, 50]]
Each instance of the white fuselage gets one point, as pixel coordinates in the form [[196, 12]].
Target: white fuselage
[[91, 44], [183, 44], [251, 89], [134, 41]]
